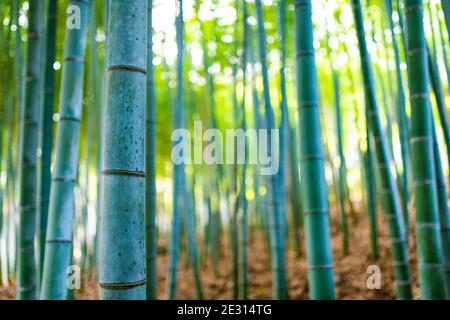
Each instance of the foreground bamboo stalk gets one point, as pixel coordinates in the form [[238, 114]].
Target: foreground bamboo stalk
[[443, 211], [26, 277], [122, 240], [58, 247], [46, 138], [314, 187], [423, 169]]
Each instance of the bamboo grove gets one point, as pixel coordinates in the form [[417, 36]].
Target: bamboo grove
[[350, 98]]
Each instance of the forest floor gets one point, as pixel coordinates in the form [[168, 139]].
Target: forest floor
[[350, 272]]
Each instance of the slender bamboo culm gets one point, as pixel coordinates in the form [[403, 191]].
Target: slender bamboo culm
[[314, 186], [389, 196], [58, 246], [422, 157], [31, 106]]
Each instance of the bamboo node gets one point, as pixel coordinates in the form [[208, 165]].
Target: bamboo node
[[423, 266], [400, 263], [419, 139], [27, 208], [431, 225], [123, 172], [398, 240], [401, 283], [32, 122], [424, 182], [412, 7], [58, 241], [308, 104], [74, 59], [304, 53], [300, 3], [64, 179], [127, 68], [23, 289], [317, 156], [417, 51], [420, 95], [122, 286], [69, 118]]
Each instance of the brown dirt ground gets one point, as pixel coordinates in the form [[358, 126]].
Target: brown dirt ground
[[350, 271]]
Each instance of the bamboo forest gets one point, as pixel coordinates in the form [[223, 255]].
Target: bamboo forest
[[224, 149]]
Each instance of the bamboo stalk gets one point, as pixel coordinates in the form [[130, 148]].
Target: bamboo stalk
[[402, 120], [26, 273], [122, 240], [59, 238], [314, 189], [178, 169], [423, 169], [150, 186], [389, 195], [276, 221], [444, 217], [46, 138]]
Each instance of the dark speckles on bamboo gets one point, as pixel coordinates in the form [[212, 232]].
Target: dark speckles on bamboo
[[122, 259]]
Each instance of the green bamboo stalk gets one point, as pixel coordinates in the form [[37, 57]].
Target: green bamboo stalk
[[259, 206], [444, 217], [436, 84], [342, 166], [444, 52], [342, 169], [26, 279], [94, 101], [284, 126], [178, 169], [192, 250], [219, 185], [297, 211], [100, 116], [122, 240], [3, 48], [368, 173], [95, 87], [243, 218], [401, 120], [402, 28], [370, 195], [446, 9], [389, 195], [234, 182], [421, 144], [314, 190], [46, 138], [58, 247], [440, 178], [276, 220], [18, 61], [150, 186], [11, 122], [8, 124]]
